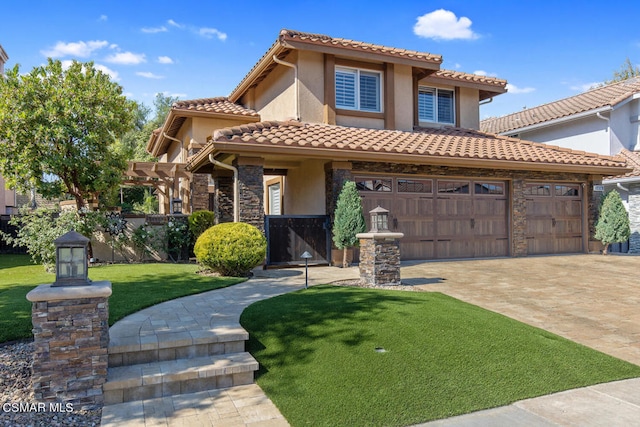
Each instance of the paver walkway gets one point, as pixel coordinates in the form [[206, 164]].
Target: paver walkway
[[589, 299], [184, 319]]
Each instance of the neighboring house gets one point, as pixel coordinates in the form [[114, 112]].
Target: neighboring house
[[317, 110], [604, 120], [7, 196]]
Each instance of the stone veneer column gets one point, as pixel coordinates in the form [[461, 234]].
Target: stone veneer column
[[223, 199], [519, 219], [71, 337], [199, 192], [380, 258], [251, 188], [634, 218], [336, 173]]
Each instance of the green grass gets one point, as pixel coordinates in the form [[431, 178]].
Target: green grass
[[135, 286], [443, 357]]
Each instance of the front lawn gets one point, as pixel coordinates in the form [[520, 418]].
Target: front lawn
[[338, 356], [135, 286]]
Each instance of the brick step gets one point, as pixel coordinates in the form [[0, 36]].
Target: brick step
[[125, 351], [171, 377]]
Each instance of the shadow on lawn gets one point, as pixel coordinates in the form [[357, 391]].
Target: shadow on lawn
[[298, 319]]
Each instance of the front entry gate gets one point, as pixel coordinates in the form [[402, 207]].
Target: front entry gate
[[289, 236]]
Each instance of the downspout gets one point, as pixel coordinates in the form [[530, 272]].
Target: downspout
[[172, 196], [620, 186], [295, 73], [486, 101], [236, 190]]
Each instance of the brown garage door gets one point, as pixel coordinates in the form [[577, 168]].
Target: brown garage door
[[554, 218], [442, 218]]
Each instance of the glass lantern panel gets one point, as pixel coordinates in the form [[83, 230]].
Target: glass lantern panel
[[64, 254], [64, 270]]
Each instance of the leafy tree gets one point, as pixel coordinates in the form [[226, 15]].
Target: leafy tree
[[58, 127], [626, 71], [613, 223], [38, 229], [349, 219]]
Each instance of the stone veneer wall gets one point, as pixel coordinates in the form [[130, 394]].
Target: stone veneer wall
[[223, 204], [199, 192], [380, 261], [334, 180], [634, 218], [251, 187], [517, 178], [71, 337]]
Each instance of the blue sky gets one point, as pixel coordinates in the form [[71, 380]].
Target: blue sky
[[546, 50]]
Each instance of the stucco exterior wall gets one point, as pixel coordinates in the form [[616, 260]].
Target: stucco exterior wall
[[360, 122], [403, 95], [311, 86], [304, 192], [7, 197], [469, 108], [589, 134], [274, 97]]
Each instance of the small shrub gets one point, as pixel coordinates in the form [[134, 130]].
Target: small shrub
[[177, 238], [199, 222], [231, 249]]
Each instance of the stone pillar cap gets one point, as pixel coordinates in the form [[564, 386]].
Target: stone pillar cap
[[385, 235], [57, 293]]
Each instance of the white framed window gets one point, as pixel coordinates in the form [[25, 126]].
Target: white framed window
[[358, 89], [436, 105]]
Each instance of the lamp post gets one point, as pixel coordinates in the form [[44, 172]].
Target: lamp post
[[71, 260], [306, 256]]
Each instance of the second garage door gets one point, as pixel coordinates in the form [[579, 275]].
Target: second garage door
[[442, 218]]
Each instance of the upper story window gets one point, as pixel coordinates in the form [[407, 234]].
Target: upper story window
[[436, 105], [358, 89]]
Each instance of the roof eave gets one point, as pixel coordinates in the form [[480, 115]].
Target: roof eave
[[217, 147], [258, 69], [362, 55]]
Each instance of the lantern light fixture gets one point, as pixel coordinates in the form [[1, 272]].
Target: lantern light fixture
[[71, 260]]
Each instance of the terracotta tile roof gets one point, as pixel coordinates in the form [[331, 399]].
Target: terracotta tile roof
[[459, 76], [606, 96], [220, 105], [423, 146], [633, 161], [320, 39], [283, 45]]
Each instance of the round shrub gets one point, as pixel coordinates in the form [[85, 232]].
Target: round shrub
[[200, 221], [231, 249]]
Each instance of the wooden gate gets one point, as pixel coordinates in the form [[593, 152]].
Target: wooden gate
[[289, 236]]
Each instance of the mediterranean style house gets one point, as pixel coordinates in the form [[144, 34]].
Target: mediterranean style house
[[604, 120], [316, 110]]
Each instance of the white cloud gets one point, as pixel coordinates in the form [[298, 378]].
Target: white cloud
[[103, 18], [209, 33], [511, 88], [174, 24], [585, 87], [79, 49], [173, 95], [126, 58], [165, 60], [148, 75], [154, 30], [113, 74], [444, 25]]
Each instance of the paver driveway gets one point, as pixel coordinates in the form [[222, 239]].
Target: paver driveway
[[590, 299]]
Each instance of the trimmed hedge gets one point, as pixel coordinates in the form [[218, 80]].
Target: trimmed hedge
[[200, 221], [231, 249]]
